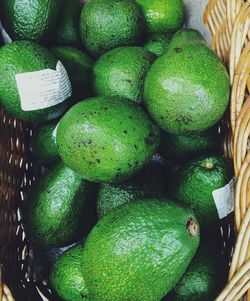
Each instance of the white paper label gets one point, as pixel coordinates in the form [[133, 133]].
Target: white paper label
[[43, 89], [224, 199]]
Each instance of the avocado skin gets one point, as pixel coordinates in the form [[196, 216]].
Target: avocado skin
[[54, 209], [202, 279], [138, 251], [158, 43], [107, 24], [66, 277], [34, 21], [121, 72], [193, 185], [31, 57], [43, 144], [149, 183], [180, 148], [187, 89], [106, 139]]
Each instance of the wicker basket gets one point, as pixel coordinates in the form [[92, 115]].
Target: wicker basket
[[229, 24]]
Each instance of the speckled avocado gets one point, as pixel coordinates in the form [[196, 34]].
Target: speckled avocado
[[31, 57], [107, 24], [122, 72], [43, 143], [66, 277], [189, 94], [139, 251], [106, 139], [54, 209]]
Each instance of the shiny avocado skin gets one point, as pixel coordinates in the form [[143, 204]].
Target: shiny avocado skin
[[138, 251], [31, 57], [43, 144], [192, 93], [106, 139], [54, 210], [121, 72], [202, 280], [33, 21]]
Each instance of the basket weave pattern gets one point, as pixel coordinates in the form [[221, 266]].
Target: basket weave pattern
[[229, 24]]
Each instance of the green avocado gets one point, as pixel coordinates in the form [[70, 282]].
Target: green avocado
[[106, 139], [107, 24], [33, 20], [31, 57], [139, 251], [43, 143], [66, 277], [202, 280], [149, 183], [194, 184], [79, 67], [54, 210], [158, 43], [187, 89], [179, 148], [67, 32], [121, 72]]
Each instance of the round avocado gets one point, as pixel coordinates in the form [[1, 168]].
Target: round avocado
[[158, 43], [33, 21], [106, 139], [79, 67], [194, 184], [121, 72], [66, 277], [107, 24], [187, 89], [31, 57], [139, 251], [163, 15], [43, 143]]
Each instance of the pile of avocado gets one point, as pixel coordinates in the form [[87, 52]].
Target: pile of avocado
[[131, 157]]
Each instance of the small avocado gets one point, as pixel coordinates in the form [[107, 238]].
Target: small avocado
[[43, 144], [66, 277], [54, 212], [158, 43], [139, 251], [204, 277], [106, 139]]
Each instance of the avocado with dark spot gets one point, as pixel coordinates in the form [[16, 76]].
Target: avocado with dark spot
[[139, 251], [54, 212], [111, 147], [189, 86]]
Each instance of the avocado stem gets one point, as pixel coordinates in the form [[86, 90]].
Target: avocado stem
[[192, 227], [209, 165]]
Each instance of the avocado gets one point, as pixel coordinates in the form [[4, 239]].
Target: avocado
[[194, 183], [31, 57], [163, 16], [191, 93], [54, 212], [202, 279], [67, 32], [121, 72], [43, 143], [106, 139], [149, 183], [107, 24], [79, 67], [34, 20], [187, 36], [139, 251], [179, 148], [66, 277], [158, 43]]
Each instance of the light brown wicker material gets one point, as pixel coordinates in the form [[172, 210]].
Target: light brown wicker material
[[233, 26]]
